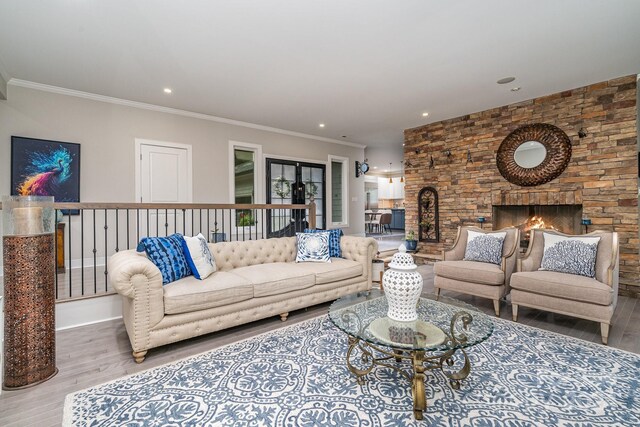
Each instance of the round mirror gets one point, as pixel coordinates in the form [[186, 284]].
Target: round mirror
[[530, 154]]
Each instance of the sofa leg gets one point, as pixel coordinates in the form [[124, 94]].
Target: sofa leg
[[604, 331], [138, 356], [283, 316], [514, 309], [496, 307], [437, 294]]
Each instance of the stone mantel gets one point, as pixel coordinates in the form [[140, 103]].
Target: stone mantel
[[531, 196], [602, 174]]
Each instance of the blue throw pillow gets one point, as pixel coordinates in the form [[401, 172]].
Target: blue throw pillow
[[334, 240], [166, 253]]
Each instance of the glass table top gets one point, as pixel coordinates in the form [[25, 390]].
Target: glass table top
[[442, 325]]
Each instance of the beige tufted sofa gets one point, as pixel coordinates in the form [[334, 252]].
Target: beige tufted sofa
[[254, 279]]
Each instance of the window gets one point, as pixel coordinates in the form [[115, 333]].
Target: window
[[244, 179], [244, 182], [339, 184]]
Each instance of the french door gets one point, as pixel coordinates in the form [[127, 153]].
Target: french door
[[291, 182]]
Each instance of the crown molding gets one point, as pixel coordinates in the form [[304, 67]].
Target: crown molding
[[169, 110]]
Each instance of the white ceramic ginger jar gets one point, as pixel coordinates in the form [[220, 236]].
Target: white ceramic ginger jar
[[402, 287]]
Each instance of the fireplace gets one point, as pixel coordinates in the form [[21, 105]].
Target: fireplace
[[564, 218]]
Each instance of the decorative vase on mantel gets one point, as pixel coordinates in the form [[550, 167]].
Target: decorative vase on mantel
[[402, 287]]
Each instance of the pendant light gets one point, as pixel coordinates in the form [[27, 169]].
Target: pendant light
[[390, 179], [402, 171]]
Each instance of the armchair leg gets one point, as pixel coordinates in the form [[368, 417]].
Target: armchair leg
[[437, 294], [514, 310], [496, 307], [604, 331], [138, 356], [283, 316]]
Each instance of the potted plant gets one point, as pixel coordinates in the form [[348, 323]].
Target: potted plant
[[410, 241]]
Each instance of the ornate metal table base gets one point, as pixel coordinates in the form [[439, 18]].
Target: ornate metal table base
[[372, 355]]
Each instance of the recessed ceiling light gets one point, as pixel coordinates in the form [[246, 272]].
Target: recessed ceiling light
[[321, 125], [403, 144], [505, 80], [425, 114], [515, 89], [167, 90], [375, 167]]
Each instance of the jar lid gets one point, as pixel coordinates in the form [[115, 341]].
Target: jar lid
[[402, 260]]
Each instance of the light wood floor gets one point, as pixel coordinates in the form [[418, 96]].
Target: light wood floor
[[98, 353]]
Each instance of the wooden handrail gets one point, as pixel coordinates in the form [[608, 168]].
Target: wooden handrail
[[112, 205], [311, 207]]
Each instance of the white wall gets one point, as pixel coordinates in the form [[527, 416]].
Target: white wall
[[107, 131]]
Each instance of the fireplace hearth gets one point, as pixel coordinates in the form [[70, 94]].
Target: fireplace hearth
[[564, 218]]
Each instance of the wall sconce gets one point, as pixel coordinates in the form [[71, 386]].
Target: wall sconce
[[582, 133], [469, 159], [481, 220], [431, 163]]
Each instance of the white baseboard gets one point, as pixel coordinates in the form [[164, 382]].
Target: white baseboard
[[72, 314]]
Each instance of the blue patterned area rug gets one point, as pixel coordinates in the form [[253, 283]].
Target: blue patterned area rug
[[296, 376]]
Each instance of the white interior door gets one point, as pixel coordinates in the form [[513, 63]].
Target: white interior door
[[165, 177]]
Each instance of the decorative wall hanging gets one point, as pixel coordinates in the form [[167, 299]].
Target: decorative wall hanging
[[282, 187], [361, 168], [428, 215], [45, 168], [534, 154]]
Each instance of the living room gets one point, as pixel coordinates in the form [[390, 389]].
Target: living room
[[200, 118]]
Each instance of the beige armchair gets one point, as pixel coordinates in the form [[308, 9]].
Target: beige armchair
[[579, 296], [477, 278]]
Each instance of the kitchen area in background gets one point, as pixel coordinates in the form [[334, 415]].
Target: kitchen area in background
[[384, 195]]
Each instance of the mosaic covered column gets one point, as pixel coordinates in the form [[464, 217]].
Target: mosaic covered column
[[29, 291]]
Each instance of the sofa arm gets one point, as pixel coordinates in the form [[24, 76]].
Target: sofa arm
[[360, 249], [139, 281]]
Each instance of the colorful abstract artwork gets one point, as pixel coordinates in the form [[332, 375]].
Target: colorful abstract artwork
[[45, 168]]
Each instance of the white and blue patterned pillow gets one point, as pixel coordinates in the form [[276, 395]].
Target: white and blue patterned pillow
[[198, 256], [334, 240], [573, 255], [313, 247], [166, 253], [484, 247]]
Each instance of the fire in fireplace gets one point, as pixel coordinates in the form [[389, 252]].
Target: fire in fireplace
[[564, 218]]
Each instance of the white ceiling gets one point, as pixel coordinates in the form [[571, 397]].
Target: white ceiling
[[367, 69]]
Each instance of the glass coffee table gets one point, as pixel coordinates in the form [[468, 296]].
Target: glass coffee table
[[437, 340]]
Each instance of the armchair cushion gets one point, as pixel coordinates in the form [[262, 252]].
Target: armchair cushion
[[470, 271], [484, 247], [563, 285], [573, 255]]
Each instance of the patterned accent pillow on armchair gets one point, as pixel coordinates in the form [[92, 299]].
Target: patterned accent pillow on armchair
[[166, 253], [573, 255], [313, 247], [484, 247]]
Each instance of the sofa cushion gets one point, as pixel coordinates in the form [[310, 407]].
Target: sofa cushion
[[470, 271], [190, 294], [277, 277], [338, 269], [563, 285]]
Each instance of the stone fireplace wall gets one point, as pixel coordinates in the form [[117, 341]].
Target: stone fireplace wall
[[602, 174]]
